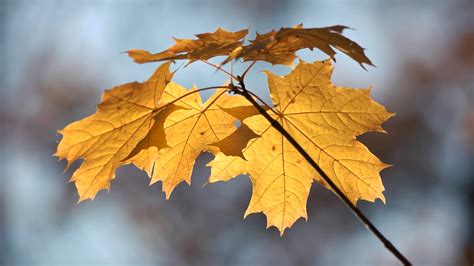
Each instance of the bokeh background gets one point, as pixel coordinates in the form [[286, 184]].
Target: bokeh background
[[58, 56]]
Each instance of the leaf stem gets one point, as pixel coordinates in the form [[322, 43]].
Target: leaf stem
[[247, 69], [219, 68], [363, 219], [189, 93], [213, 101]]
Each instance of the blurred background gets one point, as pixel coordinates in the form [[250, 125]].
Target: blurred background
[[58, 56]]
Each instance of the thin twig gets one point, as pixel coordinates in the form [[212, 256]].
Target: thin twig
[[231, 72], [274, 123], [219, 68], [248, 68], [213, 101], [189, 93]]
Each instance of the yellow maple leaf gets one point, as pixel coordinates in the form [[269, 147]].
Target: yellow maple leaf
[[208, 45], [104, 139], [279, 47], [322, 118], [190, 129]]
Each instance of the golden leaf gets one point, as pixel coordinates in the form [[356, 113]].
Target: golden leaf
[[322, 118], [104, 139], [190, 129], [208, 45]]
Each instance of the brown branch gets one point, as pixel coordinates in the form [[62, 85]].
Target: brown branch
[[262, 101], [248, 68]]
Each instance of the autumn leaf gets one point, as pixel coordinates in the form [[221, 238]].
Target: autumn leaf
[[275, 47], [323, 39], [189, 129], [208, 45], [308, 134], [322, 118], [279, 47], [104, 139]]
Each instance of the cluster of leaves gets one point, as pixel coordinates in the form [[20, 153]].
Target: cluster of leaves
[[162, 127], [275, 47]]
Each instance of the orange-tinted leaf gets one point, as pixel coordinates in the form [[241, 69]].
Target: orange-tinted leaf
[[208, 45], [279, 47]]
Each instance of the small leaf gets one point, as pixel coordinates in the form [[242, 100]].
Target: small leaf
[[208, 45], [279, 47]]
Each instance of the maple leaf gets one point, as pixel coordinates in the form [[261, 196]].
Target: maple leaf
[[104, 139], [279, 47], [190, 129], [322, 118], [309, 135], [208, 45]]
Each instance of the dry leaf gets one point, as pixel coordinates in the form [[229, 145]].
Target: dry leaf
[[208, 45], [104, 139], [279, 47], [324, 119]]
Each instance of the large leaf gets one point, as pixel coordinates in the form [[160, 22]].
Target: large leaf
[[324, 119], [104, 139]]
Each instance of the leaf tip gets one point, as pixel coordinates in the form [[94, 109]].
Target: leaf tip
[[66, 168], [167, 192], [137, 55], [386, 165], [282, 232], [83, 198], [382, 198], [152, 181]]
